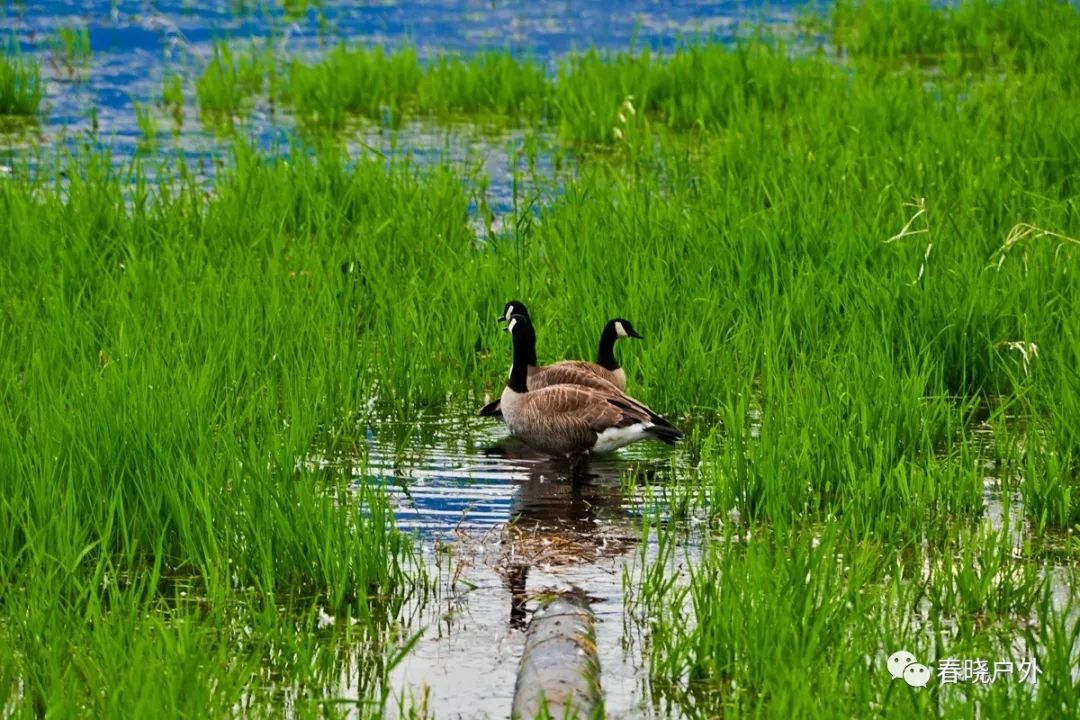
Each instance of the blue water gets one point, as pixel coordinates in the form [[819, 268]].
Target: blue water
[[134, 44]]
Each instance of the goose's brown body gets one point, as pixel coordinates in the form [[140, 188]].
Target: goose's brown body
[[576, 372], [604, 374], [570, 420]]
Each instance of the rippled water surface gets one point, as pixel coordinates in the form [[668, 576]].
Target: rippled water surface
[[134, 45], [500, 525]]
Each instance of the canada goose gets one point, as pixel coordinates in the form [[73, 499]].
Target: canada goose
[[570, 420], [578, 372]]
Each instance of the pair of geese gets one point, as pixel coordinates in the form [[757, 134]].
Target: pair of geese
[[572, 408]]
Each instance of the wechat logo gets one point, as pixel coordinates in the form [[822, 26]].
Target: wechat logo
[[903, 664]]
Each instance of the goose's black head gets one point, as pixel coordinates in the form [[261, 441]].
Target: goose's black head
[[615, 330], [621, 328], [514, 307]]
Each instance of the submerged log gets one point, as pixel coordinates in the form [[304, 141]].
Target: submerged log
[[559, 674]]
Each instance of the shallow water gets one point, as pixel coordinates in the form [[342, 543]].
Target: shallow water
[[499, 525]]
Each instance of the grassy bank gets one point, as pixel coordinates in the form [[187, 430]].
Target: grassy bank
[[857, 283], [776, 623]]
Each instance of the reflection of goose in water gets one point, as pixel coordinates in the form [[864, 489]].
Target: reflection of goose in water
[[512, 495], [559, 522], [437, 483], [499, 529], [550, 498]]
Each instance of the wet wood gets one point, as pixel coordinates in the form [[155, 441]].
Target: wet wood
[[559, 674]]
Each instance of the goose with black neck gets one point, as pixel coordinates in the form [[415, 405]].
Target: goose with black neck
[[568, 420], [606, 370]]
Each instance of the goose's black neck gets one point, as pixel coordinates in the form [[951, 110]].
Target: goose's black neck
[[524, 354], [605, 357]]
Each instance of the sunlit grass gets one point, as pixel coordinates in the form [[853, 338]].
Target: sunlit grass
[[490, 82], [144, 118], [71, 48], [857, 284], [347, 81], [160, 468], [973, 35], [20, 84], [232, 78], [172, 98], [780, 624]]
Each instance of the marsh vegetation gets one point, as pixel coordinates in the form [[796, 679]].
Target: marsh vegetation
[[853, 253]]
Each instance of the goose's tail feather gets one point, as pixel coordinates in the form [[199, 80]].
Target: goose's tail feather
[[492, 409], [667, 433]]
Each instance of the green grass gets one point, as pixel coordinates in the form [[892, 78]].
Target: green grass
[[489, 82], [979, 34], [71, 48], [608, 98], [232, 78], [166, 457], [786, 624], [20, 84], [172, 98], [857, 282], [591, 96], [390, 86], [144, 118], [347, 81]]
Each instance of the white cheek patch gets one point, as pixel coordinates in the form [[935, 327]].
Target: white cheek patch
[[510, 327], [620, 330]]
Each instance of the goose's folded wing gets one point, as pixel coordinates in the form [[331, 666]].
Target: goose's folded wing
[[581, 407], [638, 409], [569, 372]]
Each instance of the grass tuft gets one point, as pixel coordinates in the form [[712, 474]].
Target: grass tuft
[[20, 84]]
